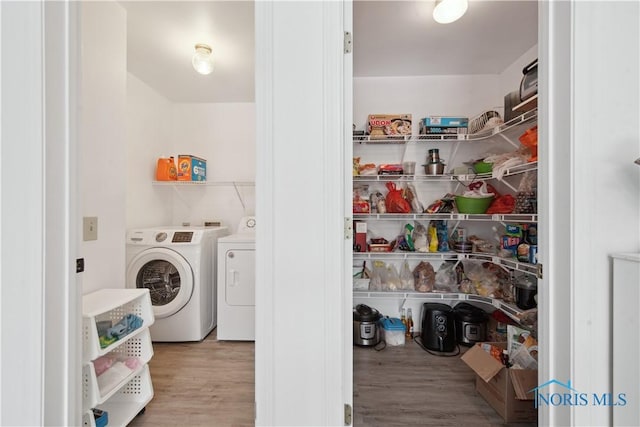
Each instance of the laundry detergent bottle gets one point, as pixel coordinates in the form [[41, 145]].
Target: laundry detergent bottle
[[166, 169]]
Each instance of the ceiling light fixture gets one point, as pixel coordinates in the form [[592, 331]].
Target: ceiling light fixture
[[203, 59], [448, 11]]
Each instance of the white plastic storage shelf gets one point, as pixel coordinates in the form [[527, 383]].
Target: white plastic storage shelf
[[129, 400], [112, 305], [98, 389], [120, 391]]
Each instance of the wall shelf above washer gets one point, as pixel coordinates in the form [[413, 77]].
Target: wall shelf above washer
[[205, 183]]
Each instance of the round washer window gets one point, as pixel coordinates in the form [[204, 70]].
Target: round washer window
[[162, 279], [167, 275]]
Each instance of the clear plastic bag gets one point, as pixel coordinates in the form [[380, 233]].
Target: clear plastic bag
[[420, 241], [392, 279], [424, 276], [406, 277], [446, 277]]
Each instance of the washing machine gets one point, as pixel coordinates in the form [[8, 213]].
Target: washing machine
[[237, 283], [178, 266]]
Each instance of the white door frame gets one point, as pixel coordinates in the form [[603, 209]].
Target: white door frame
[[40, 302], [300, 245]]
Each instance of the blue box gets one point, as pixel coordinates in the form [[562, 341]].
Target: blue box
[[445, 121], [100, 417]]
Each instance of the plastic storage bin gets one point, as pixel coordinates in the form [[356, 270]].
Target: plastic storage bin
[[393, 331]]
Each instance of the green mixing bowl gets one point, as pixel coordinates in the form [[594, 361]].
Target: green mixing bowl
[[473, 205], [482, 167]]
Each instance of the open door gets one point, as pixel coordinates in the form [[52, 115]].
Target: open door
[[347, 326]]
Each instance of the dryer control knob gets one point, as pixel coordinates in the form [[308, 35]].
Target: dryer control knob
[[161, 237]]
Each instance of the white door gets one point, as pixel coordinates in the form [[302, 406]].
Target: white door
[[301, 241], [240, 289]]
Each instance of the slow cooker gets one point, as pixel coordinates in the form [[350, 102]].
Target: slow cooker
[[366, 331], [471, 324]]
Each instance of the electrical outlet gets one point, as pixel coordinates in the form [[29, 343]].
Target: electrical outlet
[[90, 228]]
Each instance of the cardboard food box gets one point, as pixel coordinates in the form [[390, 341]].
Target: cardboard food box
[[506, 390], [191, 168], [382, 126], [445, 121], [441, 125]]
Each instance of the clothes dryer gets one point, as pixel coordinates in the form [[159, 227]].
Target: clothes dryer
[[237, 284], [177, 265]]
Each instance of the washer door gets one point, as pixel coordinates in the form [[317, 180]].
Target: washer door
[[168, 277]]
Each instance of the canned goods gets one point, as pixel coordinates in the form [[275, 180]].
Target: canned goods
[[533, 254], [460, 235]]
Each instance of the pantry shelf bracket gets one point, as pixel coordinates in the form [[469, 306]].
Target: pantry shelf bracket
[[509, 140]]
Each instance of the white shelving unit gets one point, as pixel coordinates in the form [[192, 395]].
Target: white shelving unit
[[508, 132], [626, 337], [121, 391]]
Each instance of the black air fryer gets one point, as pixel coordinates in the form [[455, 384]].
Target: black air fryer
[[438, 327]]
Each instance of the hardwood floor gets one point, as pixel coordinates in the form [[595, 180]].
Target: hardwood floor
[[211, 383], [208, 383]]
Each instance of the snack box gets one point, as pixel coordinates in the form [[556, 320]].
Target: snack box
[[384, 125], [191, 168], [439, 130], [508, 391], [445, 121]]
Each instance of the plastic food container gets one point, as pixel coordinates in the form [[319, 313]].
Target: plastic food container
[[482, 167], [393, 331], [381, 247], [473, 205]]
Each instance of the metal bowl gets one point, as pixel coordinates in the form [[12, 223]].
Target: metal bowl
[[434, 168]]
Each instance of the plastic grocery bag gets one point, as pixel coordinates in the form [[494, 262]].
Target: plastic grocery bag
[[395, 202]]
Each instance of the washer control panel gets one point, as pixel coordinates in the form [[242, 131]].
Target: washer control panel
[[182, 237]]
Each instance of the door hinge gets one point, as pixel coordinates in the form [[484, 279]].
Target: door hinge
[[539, 271], [348, 42], [348, 228], [347, 414]]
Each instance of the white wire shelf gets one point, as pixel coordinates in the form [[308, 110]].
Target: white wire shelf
[[516, 170], [509, 309], [205, 183], [511, 264], [454, 216], [524, 118]]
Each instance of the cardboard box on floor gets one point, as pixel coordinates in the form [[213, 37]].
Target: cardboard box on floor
[[504, 389]]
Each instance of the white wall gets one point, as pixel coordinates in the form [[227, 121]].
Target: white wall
[[148, 137], [224, 134], [605, 201], [101, 140], [511, 77], [424, 96]]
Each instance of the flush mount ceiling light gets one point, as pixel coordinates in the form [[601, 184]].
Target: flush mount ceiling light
[[448, 11], [203, 59]]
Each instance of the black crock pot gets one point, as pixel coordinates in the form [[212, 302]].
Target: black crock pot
[[366, 331], [471, 324]]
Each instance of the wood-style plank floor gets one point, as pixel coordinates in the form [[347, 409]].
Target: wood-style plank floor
[[211, 383]]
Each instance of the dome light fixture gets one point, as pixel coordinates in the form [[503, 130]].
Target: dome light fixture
[[448, 11], [203, 59]]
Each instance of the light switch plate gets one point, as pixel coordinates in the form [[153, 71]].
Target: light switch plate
[[90, 228]]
